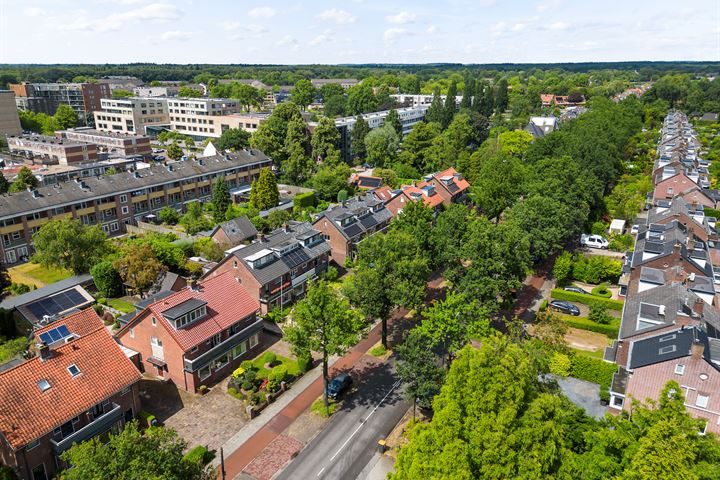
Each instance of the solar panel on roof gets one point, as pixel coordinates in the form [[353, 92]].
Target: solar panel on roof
[[296, 258], [652, 247], [656, 227], [57, 303], [55, 334]]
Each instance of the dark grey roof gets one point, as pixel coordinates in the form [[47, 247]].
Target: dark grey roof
[[701, 284], [660, 307], [356, 208], [369, 182], [652, 275], [185, 307], [147, 301], [619, 381], [237, 230], [710, 117], [669, 346], [14, 302], [67, 193], [168, 281], [284, 263]]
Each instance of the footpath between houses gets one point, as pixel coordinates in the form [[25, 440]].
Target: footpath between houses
[[261, 448]]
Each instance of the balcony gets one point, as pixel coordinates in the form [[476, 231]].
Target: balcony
[[100, 425], [225, 346], [304, 277]]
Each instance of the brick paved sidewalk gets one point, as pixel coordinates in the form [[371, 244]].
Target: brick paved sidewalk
[[238, 460]]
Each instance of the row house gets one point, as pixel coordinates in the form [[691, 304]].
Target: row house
[[196, 336], [344, 226], [80, 386], [671, 317], [122, 144], [115, 201], [276, 268]]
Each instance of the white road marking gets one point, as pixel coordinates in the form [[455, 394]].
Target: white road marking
[[321, 471]]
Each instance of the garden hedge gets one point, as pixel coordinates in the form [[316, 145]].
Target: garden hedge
[[582, 323], [601, 291], [304, 200], [198, 454], [583, 298], [592, 370]]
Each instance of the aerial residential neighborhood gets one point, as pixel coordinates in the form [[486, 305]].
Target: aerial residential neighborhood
[[461, 240]]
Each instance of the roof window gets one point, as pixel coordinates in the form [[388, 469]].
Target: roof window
[[74, 370], [43, 385]]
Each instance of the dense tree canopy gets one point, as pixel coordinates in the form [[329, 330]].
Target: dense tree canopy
[[68, 243]]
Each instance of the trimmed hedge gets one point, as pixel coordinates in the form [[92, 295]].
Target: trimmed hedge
[[561, 294], [601, 291], [304, 200], [592, 370], [583, 323], [147, 419], [199, 454]]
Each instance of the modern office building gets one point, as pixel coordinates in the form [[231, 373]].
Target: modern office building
[[9, 120], [408, 117], [197, 116], [84, 98], [131, 115], [114, 143], [52, 150], [114, 201]]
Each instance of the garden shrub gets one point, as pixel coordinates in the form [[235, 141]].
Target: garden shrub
[[562, 270], [304, 200], [598, 313], [247, 386], [605, 393], [592, 370], [198, 454], [247, 365], [543, 305], [269, 357], [331, 274], [304, 362], [621, 243], [596, 269], [561, 294], [599, 228], [106, 279], [582, 323], [560, 364], [601, 291]]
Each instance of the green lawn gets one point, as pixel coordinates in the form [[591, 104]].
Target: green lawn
[[259, 364], [36, 274], [121, 305], [586, 353], [610, 330]]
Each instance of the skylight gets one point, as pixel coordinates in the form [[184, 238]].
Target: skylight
[[74, 370], [43, 385]]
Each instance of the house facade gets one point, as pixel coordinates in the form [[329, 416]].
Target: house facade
[[275, 269], [80, 386], [196, 336]]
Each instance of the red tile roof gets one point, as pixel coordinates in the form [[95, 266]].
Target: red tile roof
[[80, 323], [27, 413], [384, 193], [450, 172], [432, 201], [228, 302]]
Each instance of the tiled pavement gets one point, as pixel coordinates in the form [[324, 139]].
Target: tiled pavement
[[270, 460]]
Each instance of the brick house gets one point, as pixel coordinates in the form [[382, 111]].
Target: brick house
[[688, 356], [681, 185], [80, 386], [344, 226], [275, 269], [198, 335], [409, 193], [690, 215], [234, 232], [449, 184]]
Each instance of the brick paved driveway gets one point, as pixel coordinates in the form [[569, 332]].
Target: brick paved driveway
[[208, 420]]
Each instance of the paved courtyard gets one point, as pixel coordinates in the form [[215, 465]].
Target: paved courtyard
[[208, 420]]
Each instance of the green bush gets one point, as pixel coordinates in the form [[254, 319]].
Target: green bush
[[169, 216], [621, 243], [605, 393], [599, 228], [561, 294], [562, 270], [711, 212], [597, 269], [277, 375], [304, 362], [147, 419], [601, 291], [543, 305], [560, 364], [378, 351], [598, 313], [331, 274], [582, 323], [199, 454], [304, 200], [247, 365], [247, 386], [342, 195], [592, 370], [102, 301], [269, 358], [6, 473], [11, 348], [107, 279]]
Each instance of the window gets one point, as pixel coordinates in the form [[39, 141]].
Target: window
[[132, 333], [235, 264], [38, 472], [679, 369], [125, 210], [74, 370], [254, 340], [194, 349], [123, 198], [702, 400], [239, 350], [214, 340], [204, 372], [32, 444], [153, 320], [617, 402]]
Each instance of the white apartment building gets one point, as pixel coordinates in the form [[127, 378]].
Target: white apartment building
[[421, 100], [131, 115], [197, 117]]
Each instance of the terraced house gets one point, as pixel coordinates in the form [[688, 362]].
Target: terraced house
[[80, 386], [114, 201]]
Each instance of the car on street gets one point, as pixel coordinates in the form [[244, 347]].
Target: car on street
[[594, 241], [338, 385], [634, 229], [564, 307], [573, 288]]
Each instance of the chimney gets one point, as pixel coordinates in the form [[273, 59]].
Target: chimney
[[698, 306], [261, 237], [194, 286], [690, 244], [697, 349], [44, 351]]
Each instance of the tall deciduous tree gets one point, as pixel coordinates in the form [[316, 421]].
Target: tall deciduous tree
[[67, 243], [155, 453], [106, 279], [382, 144], [174, 151], [66, 117], [24, 180], [329, 180], [270, 135], [221, 199], [498, 184], [357, 137], [323, 322], [264, 193], [233, 139], [193, 220], [138, 266], [418, 368], [394, 119], [361, 99], [303, 93], [501, 96], [298, 166], [325, 142]]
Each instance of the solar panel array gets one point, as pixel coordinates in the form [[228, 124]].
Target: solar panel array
[[295, 258], [55, 334], [57, 303]]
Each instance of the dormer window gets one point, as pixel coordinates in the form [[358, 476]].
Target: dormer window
[[186, 313]]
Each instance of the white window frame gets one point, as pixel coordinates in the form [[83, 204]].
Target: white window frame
[[679, 369], [123, 199], [254, 340], [243, 347], [209, 372], [132, 333], [702, 400], [125, 209], [69, 369]]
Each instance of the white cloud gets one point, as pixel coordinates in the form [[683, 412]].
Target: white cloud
[[547, 5], [231, 25], [559, 26], [288, 41], [173, 35], [341, 17], [262, 12], [34, 12], [431, 29], [158, 12], [498, 29], [401, 18], [392, 34], [518, 27], [256, 29], [322, 38]]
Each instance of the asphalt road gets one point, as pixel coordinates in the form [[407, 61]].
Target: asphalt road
[[347, 443]]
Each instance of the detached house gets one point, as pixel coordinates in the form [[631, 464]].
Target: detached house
[[198, 335], [234, 232], [80, 386], [275, 269], [345, 226]]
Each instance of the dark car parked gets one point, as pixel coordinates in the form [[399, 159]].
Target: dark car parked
[[338, 385], [564, 307], [575, 289]]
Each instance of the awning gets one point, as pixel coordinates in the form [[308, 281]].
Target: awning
[[157, 362]]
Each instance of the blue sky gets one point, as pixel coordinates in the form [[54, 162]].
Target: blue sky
[[357, 31]]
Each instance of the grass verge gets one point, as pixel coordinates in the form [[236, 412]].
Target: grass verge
[[318, 407]]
